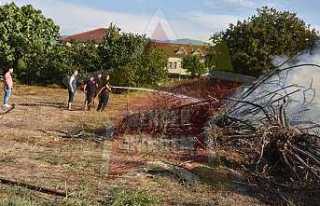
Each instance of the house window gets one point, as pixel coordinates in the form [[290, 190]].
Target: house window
[[173, 65], [179, 65]]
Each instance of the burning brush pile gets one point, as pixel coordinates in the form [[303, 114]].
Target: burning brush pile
[[273, 125]]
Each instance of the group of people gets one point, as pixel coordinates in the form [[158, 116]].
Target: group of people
[[94, 87]]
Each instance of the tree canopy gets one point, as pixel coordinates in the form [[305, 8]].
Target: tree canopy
[[253, 43], [218, 57], [27, 37], [125, 54], [30, 43], [153, 69]]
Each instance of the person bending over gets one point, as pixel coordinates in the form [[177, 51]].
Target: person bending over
[[103, 95]]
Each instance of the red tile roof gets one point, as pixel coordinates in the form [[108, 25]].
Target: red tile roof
[[173, 50], [96, 35]]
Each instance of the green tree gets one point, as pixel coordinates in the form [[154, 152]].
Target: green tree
[[58, 63], [26, 39], [131, 63], [194, 65], [121, 53], [218, 57], [253, 43], [153, 68], [83, 56]]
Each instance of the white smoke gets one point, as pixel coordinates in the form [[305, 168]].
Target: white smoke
[[306, 75], [306, 57], [304, 81]]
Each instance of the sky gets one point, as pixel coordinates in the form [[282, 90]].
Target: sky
[[194, 19]]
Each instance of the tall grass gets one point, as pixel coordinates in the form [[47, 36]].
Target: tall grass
[[132, 198]]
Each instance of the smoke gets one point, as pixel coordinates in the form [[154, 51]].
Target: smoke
[[301, 84], [306, 57], [304, 76]]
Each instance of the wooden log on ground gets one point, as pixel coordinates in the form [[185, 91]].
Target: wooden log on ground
[[33, 187]]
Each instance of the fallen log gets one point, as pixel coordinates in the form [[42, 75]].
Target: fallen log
[[33, 187]]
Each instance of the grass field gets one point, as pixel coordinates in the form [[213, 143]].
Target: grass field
[[33, 150]]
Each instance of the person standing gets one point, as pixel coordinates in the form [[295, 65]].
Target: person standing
[[8, 85], [103, 95], [90, 89], [72, 88], [99, 82]]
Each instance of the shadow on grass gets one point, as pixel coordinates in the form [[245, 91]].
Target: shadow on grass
[[60, 106], [44, 104]]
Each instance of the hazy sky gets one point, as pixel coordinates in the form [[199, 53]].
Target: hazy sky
[[197, 19]]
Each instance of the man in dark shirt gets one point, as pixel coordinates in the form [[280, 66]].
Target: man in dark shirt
[[90, 89], [104, 95]]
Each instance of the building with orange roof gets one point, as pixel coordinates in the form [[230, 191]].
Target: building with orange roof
[[174, 51], [95, 35]]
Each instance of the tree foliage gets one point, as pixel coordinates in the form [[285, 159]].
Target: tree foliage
[[29, 42], [153, 69], [83, 56], [218, 57], [253, 43], [27, 38], [118, 49], [194, 65], [125, 54]]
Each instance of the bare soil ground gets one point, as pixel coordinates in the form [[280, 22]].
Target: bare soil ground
[[33, 150]]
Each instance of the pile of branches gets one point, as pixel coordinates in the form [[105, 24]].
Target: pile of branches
[[278, 153], [277, 150], [183, 120]]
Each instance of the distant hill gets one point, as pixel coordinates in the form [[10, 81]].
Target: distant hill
[[188, 41], [185, 41]]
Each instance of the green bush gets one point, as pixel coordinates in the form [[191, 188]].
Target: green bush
[[194, 65]]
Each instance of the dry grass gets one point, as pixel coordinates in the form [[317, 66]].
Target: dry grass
[[32, 151]]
